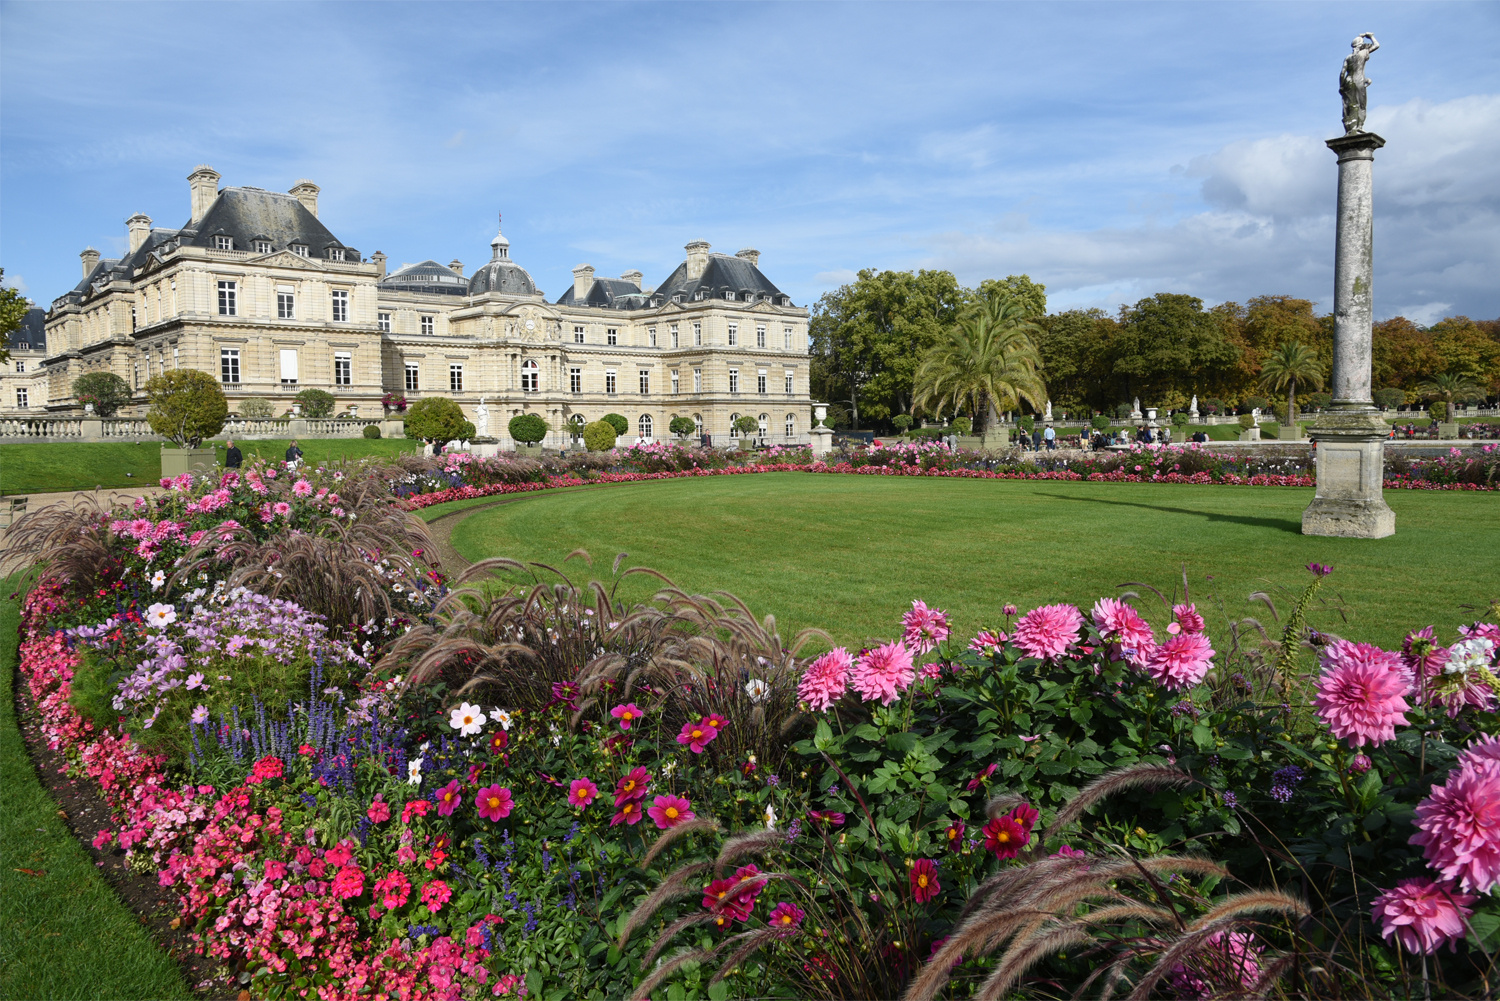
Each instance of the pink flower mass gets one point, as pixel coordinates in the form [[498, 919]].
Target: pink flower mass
[[825, 680], [1047, 632], [1422, 915], [1119, 623], [1458, 825], [884, 673], [1361, 693], [1181, 662], [924, 627]]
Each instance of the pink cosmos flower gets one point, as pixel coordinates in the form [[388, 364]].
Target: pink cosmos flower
[[987, 642], [1458, 825], [716, 721], [626, 714], [379, 812], [825, 680], [1187, 616], [582, 792], [984, 773], [1026, 815], [669, 811], [1225, 960], [924, 881], [925, 627], [1068, 851], [1181, 662], [435, 894], [697, 735], [350, 882], [1422, 915], [883, 673], [1048, 631], [302, 488], [1360, 693], [495, 803], [785, 918], [448, 799], [1005, 837]]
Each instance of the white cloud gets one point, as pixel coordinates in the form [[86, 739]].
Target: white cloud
[[842, 276], [16, 282]]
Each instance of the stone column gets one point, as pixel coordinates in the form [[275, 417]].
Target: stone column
[[1350, 435]]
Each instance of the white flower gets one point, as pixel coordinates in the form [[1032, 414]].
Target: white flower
[[670, 767], [1465, 655], [467, 720], [414, 771], [160, 616], [501, 716], [770, 817], [758, 690], [425, 745], [158, 579], [556, 735]]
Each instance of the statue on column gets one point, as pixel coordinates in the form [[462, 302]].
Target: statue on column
[[1353, 82], [482, 419]]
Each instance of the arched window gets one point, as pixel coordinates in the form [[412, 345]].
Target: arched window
[[791, 425], [698, 425], [644, 426], [765, 425], [734, 432], [531, 376]]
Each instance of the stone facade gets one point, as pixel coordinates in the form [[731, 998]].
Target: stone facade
[[23, 379], [256, 291]]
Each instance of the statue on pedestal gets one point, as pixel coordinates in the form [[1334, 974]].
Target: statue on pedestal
[[1048, 415], [1193, 407], [1135, 409], [1353, 82], [482, 419]]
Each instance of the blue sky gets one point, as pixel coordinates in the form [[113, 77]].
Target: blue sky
[[1109, 150]]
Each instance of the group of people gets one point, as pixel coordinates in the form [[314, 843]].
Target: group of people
[[233, 457]]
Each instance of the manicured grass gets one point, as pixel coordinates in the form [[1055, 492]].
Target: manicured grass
[[849, 553], [63, 932], [57, 466]]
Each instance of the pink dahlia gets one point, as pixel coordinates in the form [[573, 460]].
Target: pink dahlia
[[825, 680], [448, 799], [495, 803], [627, 714], [1486, 748], [1361, 692], [1226, 962], [1048, 631], [696, 736], [924, 881], [1182, 661], [785, 918], [302, 488], [1458, 825], [632, 786], [1122, 624], [669, 811], [1005, 837], [582, 792], [987, 642], [1422, 915], [883, 673], [1188, 618], [628, 812], [925, 627]]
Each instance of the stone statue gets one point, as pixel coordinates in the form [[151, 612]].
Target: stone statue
[[1193, 407], [1135, 408], [1352, 82], [482, 419], [1048, 415]]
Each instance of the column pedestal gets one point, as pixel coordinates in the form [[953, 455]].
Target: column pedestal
[[1351, 467]]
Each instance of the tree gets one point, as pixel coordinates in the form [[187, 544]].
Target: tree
[[1464, 348], [1168, 341], [747, 425], [13, 310], [1030, 295], [619, 422], [1077, 348], [256, 408], [528, 429], [1290, 364], [105, 390], [316, 402], [1451, 389], [187, 406], [682, 426], [987, 360], [1402, 354], [437, 419], [599, 436]]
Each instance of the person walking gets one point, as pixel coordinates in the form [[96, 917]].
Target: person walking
[[232, 455], [1036, 439], [1050, 435], [293, 454]]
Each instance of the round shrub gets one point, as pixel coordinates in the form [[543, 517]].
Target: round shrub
[[186, 406], [1317, 401], [616, 421], [1210, 405], [1123, 411], [682, 426], [747, 425], [599, 436], [1247, 421], [1388, 398], [1180, 419], [1255, 403], [1438, 411], [105, 390], [316, 402], [1099, 423], [962, 426], [437, 419], [371, 431], [528, 429], [902, 421], [1026, 423], [255, 408]]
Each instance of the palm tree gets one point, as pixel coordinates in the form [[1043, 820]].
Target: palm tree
[[1452, 389], [1286, 367], [988, 359]]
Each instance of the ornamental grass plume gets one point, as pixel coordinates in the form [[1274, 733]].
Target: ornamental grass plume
[[1422, 915], [924, 628], [1458, 824], [1361, 693], [1181, 662], [1048, 631], [884, 673], [826, 679]]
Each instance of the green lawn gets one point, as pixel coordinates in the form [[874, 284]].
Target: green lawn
[[849, 553], [63, 932], [50, 467]]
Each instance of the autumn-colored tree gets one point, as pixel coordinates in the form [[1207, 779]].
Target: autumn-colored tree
[[1462, 348], [1401, 354]]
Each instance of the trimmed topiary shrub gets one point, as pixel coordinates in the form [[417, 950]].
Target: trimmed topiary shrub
[[902, 421], [187, 406], [437, 419], [1180, 419], [599, 436], [256, 408], [1099, 423], [682, 426], [105, 390], [528, 429], [962, 426], [1026, 423], [1123, 411], [618, 422], [1247, 421], [371, 431], [1438, 411], [316, 402]]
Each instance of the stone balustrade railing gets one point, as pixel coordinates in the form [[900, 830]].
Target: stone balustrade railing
[[59, 429], [133, 428]]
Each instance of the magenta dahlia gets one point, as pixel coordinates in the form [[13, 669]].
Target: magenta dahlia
[[1422, 915], [1361, 694], [825, 680], [1047, 632], [883, 673], [1458, 825], [1188, 618], [1182, 661], [925, 627]]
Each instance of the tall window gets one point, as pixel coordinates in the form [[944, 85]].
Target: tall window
[[611, 336], [228, 299], [644, 425], [229, 365], [577, 335], [20, 366], [651, 336], [734, 380], [413, 377], [765, 425], [673, 330], [698, 424], [791, 425], [609, 381], [427, 325], [343, 369], [645, 382], [455, 378], [223, 243], [734, 334], [786, 338], [575, 380], [383, 321], [734, 432], [760, 335], [531, 376], [760, 381], [697, 380], [286, 306], [262, 246], [789, 375], [676, 383], [288, 366], [340, 306], [697, 335], [23, 398]]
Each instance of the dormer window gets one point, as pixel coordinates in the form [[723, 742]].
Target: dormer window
[[262, 246], [335, 253], [299, 249], [729, 296], [223, 243]]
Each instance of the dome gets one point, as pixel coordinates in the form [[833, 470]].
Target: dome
[[501, 274], [429, 276]]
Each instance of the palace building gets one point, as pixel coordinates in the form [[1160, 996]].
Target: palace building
[[256, 290]]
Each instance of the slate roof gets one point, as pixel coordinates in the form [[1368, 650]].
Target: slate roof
[[502, 275], [723, 274], [31, 334], [607, 293], [429, 276], [249, 214]]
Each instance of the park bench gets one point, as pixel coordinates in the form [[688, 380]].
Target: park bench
[[11, 510]]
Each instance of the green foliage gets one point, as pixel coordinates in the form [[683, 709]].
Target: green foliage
[[371, 431], [746, 424], [901, 421], [1123, 411], [437, 419], [1247, 421], [1437, 410], [316, 403], [187, 406], [1180, 419], [1099, 423], [1026, 422], [682, 426], [1388, 398], [1029, 295], [1168, 341], [962, 426], [1250, 403], [255, 408], [1319, 401], [13, 310], [1291, 365], [985, 361], [619, 422], [528, 428], [105, 390], [599, 436]]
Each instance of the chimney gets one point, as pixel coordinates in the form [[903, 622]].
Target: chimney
[[583, 280], [204, 185], [378, 259], [753, 256], [697, 259], [90, 258], [306, 192], [457, 265], [138, 227], [635, 278]]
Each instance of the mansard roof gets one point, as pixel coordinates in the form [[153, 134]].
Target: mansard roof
[[607, 293], [723, 274], [429, 276], [247, 214], [31, 334]]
